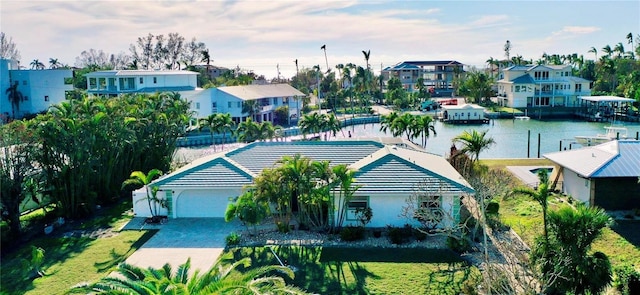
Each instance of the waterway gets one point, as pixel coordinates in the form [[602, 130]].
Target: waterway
[[511, 137]]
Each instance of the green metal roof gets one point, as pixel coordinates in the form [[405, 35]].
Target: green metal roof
[[257, 156], [215, 173], [392, 173]]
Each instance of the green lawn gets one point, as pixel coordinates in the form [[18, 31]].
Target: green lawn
[[367, 270], [621, 243], [72, 260]]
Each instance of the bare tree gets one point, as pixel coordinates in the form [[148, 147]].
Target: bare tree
[[174, 49], [93, 57], [193, 52], [8, 49], [142, 51]]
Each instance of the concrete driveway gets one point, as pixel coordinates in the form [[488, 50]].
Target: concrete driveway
[[202, 239]]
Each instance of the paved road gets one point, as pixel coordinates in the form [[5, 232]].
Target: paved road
[[202, 239]]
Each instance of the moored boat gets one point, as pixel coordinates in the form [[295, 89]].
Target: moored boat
[[612, 132]]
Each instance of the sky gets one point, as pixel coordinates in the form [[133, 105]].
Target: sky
[[261, 36]]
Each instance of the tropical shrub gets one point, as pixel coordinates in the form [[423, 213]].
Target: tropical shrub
[[459, 245], [352, 233], [233, 239], [399, 235], [627, 279]]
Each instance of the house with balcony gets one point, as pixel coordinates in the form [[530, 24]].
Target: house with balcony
[[437, 75], [541, 86], [39, 89], [116, 82], [262, 100]]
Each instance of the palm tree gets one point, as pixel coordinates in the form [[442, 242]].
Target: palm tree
[[139, 179], [424, 127], [217, 280], [37, 65], [568, 263], [619, 50], [224, 125], [607, 50], [312, 123], [333, 125], [248, 131], [386, 122], [343, 179], [53, 63], [251, 108], [404, 124], [474, 143], [594, 51], [207, 59], [209, 122], [540, 195], [15, 98]]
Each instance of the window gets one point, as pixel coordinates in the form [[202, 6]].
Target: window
[[355, 204], [239, 104], [92, 83], [141, 80], [24, 82], [26, 98], [566, 74], [197, 105], [578, 87], [229, 104], [46, 98], [214, 104], [430, 212], [155, 80]]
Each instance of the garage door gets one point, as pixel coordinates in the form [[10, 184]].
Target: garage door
[[193, 203]]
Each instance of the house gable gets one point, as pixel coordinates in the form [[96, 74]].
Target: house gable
[[391, 173], [212, 174]]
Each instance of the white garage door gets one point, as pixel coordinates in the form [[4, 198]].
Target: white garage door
[[194, 203]]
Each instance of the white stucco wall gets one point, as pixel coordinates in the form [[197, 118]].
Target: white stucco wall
[[141, 205], [387, 210], [575, 186], [43, 89]]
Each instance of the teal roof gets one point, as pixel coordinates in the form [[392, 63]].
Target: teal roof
[[391, 173], [260, 155], [524, 79], [215, 173], [380, 168]]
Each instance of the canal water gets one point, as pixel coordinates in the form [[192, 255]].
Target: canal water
[[511, 137]]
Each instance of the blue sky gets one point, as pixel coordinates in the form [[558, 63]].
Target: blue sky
[[259, 35]]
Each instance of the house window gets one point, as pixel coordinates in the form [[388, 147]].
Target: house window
[[141, 80], [354, 204], [197, 105], [578, 87], [46, 98], [155, 80], [92, 83], [24, 82], [430, 211], [214, 104], [229, 104], [239, 104], [26, 98]]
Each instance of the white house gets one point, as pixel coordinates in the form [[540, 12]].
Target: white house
[[266, 99], [115, 82], [541, 85], [39, 88], [465, 113], [605, 175], [388, 176], [437, 75]]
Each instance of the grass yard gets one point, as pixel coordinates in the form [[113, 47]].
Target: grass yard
[[367, 270], [621, 243], [75, 259]]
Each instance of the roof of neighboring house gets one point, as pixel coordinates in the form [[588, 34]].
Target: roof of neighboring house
[[380, 168], [524, 79], [466, 106], [617, 158], [606, 98], [415, 65], [252, 92], [137, 73]]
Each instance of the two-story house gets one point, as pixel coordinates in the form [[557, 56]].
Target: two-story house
[[438, 76], [540, 86], [117, 82], [38, 89], [258, 101]]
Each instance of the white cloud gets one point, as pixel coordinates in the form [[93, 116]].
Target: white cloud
[[575, 30]]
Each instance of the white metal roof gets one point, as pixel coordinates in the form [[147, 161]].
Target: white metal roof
[[606, 98], [466, 106], [137, 73], [252, 92], [617, 158]]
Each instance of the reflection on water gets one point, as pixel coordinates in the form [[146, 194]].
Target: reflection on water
[[510, 137]]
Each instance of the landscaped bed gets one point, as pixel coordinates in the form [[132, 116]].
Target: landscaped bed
[[340, 270]]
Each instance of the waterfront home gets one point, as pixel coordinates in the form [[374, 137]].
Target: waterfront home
[[39, 89], [388, 176], [463, 114], [540, 86], [605, 175], [116, 82], [437, 75]]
